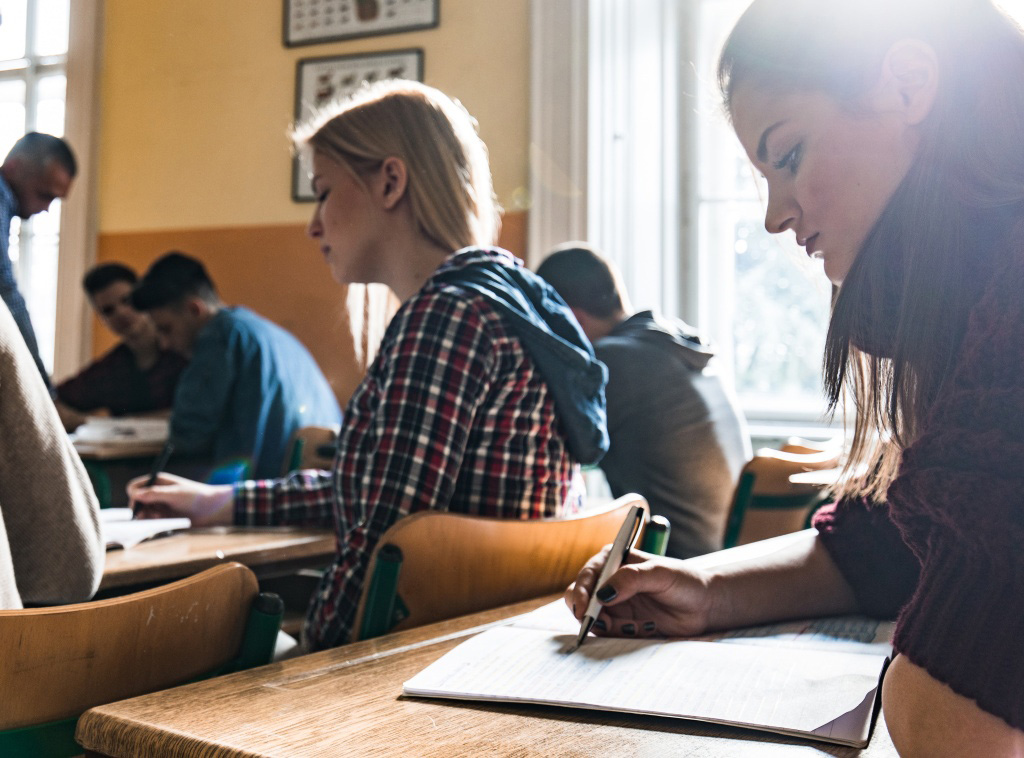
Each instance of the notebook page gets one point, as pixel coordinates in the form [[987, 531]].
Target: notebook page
[[128, 534], [782, 689], [851, 634]]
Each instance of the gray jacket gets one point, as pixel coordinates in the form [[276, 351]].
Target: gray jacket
[[677, 436]]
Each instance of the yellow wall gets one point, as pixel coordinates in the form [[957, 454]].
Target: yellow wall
[[196, 101], [198, 95]]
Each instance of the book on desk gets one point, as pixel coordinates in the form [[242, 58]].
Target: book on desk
[[121, 530], [817, 679]]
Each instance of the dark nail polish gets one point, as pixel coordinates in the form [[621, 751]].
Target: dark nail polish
[[628, 629], [600, 625], [649, 626], [574, 609], [606, 594]]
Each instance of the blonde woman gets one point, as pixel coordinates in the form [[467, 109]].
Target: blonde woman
[[458, 411]]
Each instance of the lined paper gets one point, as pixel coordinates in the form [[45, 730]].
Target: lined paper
[[771, 683]]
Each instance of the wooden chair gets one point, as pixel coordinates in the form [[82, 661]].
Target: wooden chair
[[311, 447], [60, 661], [765, 503], [434, 565]]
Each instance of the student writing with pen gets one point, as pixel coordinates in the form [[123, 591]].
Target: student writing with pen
[[889, 136]]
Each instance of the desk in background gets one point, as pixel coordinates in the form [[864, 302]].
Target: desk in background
[[348, 701], [269, 551]]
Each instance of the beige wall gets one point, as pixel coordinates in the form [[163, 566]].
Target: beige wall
[[197, 97]]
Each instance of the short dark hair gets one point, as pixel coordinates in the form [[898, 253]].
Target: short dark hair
[[584, 278], [38, 148], [102, 276], [170, 280]]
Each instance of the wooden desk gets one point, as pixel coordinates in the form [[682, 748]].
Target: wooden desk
[[122, 451], [268, 551], [348, 701]]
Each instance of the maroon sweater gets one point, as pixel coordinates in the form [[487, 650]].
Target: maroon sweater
[[946, 554]]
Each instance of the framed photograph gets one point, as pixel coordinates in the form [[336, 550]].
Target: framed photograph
[[307, 22], [319, 81]]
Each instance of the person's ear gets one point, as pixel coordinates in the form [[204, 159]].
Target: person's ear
[[393, 179], [909, 80], [195, 307]]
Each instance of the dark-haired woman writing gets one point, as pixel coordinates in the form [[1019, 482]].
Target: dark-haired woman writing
[[890, 137]]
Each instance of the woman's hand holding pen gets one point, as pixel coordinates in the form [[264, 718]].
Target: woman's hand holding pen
[[170, 496], [650, 596]]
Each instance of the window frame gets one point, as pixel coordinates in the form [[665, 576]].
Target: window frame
[[575, 43]]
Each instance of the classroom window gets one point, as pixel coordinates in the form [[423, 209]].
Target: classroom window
[[33, 84], [670, 195], [673, 199], [771, 326]]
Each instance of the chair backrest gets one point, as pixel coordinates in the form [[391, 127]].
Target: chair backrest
[[60, 661], [765, 503], [305, 448], [434, 565]]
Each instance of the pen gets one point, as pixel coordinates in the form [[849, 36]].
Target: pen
[[159, 463], [623, 542]]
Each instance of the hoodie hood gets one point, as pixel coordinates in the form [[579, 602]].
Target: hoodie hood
[[542, 321], [666, 333]]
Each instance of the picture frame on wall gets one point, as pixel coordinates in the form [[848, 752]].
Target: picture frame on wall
[[308, 22], [321, 81]]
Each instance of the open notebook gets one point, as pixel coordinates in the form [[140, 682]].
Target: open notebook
[[120, 530], [817, 679]]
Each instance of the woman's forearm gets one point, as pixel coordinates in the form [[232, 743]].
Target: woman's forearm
[[798, 579]]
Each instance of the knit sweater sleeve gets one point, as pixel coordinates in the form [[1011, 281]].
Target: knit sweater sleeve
[[959, 503], [870, 553]]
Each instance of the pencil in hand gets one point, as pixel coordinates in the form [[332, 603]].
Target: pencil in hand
[[159, 463]]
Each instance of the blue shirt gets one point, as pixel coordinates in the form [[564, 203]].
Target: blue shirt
[[249, 385], [9, 291]]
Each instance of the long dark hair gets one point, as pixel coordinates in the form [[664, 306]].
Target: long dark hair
[[900, 315]]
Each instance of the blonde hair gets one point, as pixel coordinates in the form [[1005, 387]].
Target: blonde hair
[[449, 178]]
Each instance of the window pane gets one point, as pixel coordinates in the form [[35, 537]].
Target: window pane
[[37, 280], [50, 105], [12, 113], [781, 316], [12, 29], [51, 27], [770, 308], [47, 222]]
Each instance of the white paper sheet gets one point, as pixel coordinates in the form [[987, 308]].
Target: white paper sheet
[[128, 534], [826, 688]]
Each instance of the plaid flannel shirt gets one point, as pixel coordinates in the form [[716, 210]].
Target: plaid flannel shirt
[[452, 415]]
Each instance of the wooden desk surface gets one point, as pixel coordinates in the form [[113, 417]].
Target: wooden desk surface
[[102, 451], [266, 550], [348, 701]]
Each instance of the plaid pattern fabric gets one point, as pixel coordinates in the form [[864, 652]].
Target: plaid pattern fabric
[[9, 291], [452, 416]]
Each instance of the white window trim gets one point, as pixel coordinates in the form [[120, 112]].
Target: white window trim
[[78, 225], [558, 124]]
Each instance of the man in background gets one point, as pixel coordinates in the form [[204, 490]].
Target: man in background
[[249, 384], [137, 376], [38, 170], [677, 435]]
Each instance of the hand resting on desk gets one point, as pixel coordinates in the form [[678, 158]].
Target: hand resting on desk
[[170, 496]]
